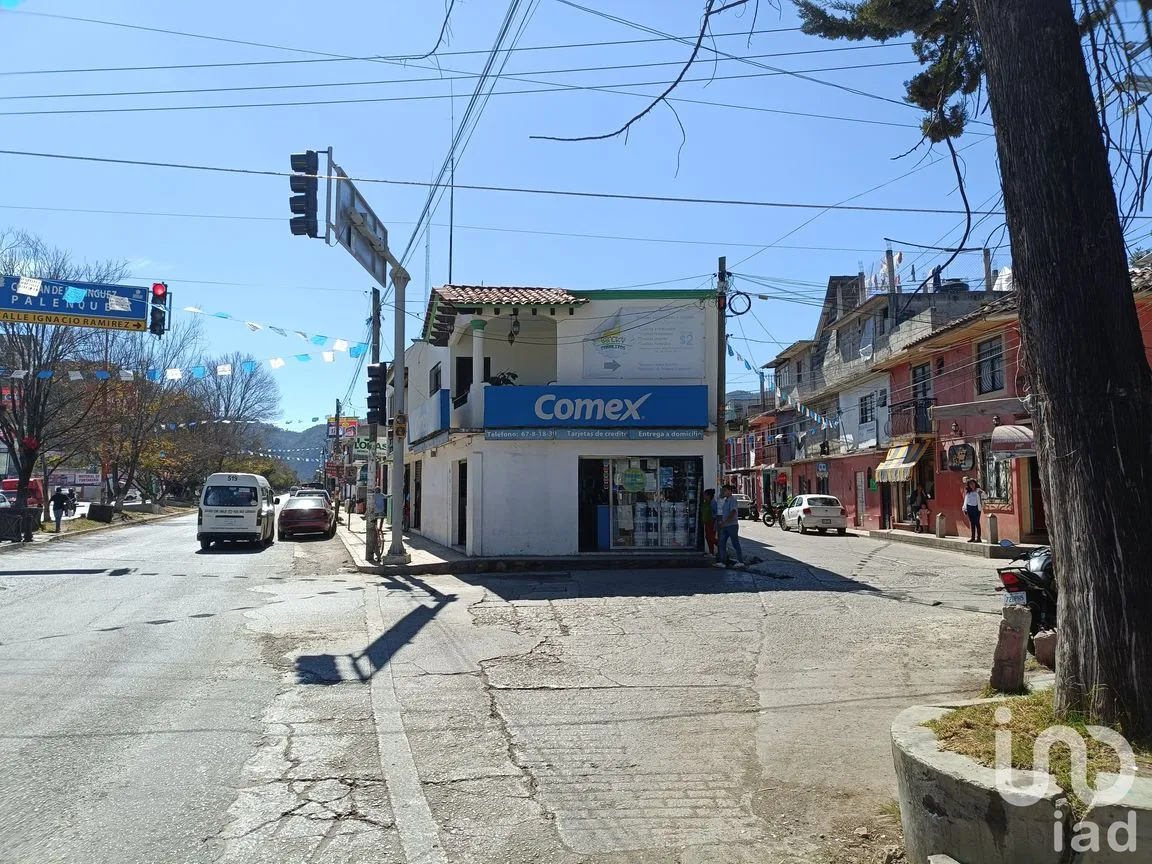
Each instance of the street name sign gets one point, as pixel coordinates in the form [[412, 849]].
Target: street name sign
[[25, 300]]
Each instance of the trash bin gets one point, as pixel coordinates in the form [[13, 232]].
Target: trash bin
[[12, 524], [101, 513]]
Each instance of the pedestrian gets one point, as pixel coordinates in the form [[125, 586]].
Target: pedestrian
[[917, 503], [729, 527], [972, 507], [59, 501], [708, 520]]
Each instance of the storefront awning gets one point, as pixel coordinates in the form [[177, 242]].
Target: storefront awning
[[1011, 442], [898, 464]]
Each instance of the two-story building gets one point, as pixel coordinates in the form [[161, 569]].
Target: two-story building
[[549, 422]]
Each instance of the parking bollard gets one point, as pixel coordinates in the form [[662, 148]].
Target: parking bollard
[[993, 530], [940, 524]]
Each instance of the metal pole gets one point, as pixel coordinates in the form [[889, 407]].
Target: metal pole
[[451, 215], [721, 367], [370, 514], [335, 456], [399, 426]]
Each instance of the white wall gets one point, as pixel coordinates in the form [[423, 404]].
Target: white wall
[[532, 357], [873, 435]]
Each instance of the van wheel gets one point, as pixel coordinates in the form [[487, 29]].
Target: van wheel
[[841, 531], [280, 535], [205, 545]]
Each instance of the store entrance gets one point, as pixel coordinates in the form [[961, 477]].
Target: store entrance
[[594, 504]]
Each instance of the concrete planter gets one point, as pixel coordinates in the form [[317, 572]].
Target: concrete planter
[[949, 805]]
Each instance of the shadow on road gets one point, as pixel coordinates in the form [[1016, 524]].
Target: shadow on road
[[363, 666], [238, 548]]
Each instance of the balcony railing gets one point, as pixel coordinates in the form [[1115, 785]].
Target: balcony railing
[[910, 418]]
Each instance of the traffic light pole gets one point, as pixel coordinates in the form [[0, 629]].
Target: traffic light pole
[[396, 551], [335, 457], [370, 514]]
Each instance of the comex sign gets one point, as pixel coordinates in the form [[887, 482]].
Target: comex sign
[[682, 407]]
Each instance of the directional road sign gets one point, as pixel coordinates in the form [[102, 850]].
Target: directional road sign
[[76, 304]]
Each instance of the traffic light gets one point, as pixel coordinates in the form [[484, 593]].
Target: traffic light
[[303, 200], [158, 309], [376, 394]]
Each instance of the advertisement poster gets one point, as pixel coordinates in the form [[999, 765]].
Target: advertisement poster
[[348, 427], [658, 342]]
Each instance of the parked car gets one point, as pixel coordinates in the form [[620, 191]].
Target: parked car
[[313, 493], [745, 508], [819, 512], [306, 514]]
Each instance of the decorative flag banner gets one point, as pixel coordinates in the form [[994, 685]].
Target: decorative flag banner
[[118, 303], [256, 326], [74, 295], [75, 376], [329, 357], [224, 369], [29, 286]]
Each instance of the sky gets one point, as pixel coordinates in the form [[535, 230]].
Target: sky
[[221, 241]]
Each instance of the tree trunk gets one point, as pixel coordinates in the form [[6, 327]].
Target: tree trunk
[[1084, 352]]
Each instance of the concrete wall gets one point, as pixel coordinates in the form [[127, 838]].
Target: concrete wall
[[852, 435], [532, 356], [523, 497]]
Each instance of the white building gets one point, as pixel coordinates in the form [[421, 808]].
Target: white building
[[863, 415], [595, 432]]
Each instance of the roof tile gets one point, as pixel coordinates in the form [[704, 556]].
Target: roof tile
[[500, 295]]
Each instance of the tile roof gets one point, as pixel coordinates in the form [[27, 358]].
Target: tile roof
[[446, 302], [500, 295]]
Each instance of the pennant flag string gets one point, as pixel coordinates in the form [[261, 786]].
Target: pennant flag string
[[256, 326]]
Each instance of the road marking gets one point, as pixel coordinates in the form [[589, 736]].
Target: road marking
[[417, 828]]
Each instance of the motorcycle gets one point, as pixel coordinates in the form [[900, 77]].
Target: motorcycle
[[772, 514], [1029, 580]]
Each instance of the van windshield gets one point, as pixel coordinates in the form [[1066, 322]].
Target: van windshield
[[230, 496]]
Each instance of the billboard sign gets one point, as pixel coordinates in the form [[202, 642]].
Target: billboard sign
[[25, 300], [348, 427], [647, 342], [595, 407]]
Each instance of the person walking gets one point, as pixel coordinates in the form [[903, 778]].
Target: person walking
[[972, 507], [708, 520], [918, 508], [59, 502], [729, 527]]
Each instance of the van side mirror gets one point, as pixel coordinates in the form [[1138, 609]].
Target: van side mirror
[[276, 501]]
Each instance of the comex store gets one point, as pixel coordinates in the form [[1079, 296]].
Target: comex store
[[608, 468]]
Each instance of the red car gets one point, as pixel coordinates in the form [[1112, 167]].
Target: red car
[[306, 514]]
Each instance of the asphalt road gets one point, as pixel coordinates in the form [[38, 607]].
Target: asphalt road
[[160, 704]]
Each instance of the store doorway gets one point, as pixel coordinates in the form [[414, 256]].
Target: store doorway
[[886, 506], [593, 507], [462, 503], [859, 520], [418, 476]]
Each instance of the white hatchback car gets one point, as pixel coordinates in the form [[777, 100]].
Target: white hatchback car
[[821, 512]]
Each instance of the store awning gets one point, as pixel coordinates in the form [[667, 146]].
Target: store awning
[[898, 464], [1011, 442]]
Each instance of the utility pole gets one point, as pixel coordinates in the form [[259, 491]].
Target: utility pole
[[370, 514], [987, 269], [399, 419], [721, 368], [335, 458]]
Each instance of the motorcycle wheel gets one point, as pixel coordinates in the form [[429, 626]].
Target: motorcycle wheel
[[769, 519]]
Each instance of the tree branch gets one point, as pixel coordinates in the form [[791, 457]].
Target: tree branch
[[709, 11]]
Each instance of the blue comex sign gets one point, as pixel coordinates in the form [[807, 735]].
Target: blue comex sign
[[79, 304], [684, 407]]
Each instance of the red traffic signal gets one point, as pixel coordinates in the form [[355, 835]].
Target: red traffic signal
[[159, 290]]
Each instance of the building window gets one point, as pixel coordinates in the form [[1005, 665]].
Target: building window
[[867, 408], [434, 380], [882, 399], [922, 381], [883, 322], [996, 476], [799, 371], [990, 365]]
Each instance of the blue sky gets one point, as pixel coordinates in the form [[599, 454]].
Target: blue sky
[[250, 266]]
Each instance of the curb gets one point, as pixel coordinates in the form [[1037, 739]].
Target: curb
[[53, 536], [513, 566], [931, 541]]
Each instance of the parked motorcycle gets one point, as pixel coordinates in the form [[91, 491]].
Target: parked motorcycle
[[1030, 581], [772, 514]]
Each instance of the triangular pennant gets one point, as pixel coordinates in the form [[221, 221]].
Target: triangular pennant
[[75, 376], [329, 356], [276, 362], [224, 370], [127, 375], [249, 366]]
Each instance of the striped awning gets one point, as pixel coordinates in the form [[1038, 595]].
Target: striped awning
[[901, 460], [1012, 442]]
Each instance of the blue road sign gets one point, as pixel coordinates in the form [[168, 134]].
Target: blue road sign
[[75, 304]]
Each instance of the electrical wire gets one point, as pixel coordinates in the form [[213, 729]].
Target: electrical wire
[[614, 196]]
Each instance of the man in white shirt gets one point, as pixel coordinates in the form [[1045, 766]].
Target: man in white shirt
[[729, 527]]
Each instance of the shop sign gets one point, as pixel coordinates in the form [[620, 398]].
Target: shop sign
[[593, 434], [821, 469], [348, 427], [595, 407], [961, 457], [632, 480], [87, 479]]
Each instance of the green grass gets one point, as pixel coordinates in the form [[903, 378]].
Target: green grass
[[971, 731]]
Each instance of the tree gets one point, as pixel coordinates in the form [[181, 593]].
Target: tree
[[43, 409], [1086, 363], [236, 402]]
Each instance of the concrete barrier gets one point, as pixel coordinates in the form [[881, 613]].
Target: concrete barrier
[[950, 806]]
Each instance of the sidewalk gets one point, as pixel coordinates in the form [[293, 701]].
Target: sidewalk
[[432, 559], [47, 533], [952, 544]]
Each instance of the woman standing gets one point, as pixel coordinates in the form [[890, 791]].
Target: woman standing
[[972, 507]]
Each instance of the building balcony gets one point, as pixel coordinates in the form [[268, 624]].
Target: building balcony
[[431, 417], [909, 419]]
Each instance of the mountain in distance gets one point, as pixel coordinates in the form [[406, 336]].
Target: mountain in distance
[[298, 450]]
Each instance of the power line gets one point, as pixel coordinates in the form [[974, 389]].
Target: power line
[[501, 229], [571, 193], [457, 76], [550, 87]]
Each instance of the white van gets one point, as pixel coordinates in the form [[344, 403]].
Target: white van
[[236, 507]]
